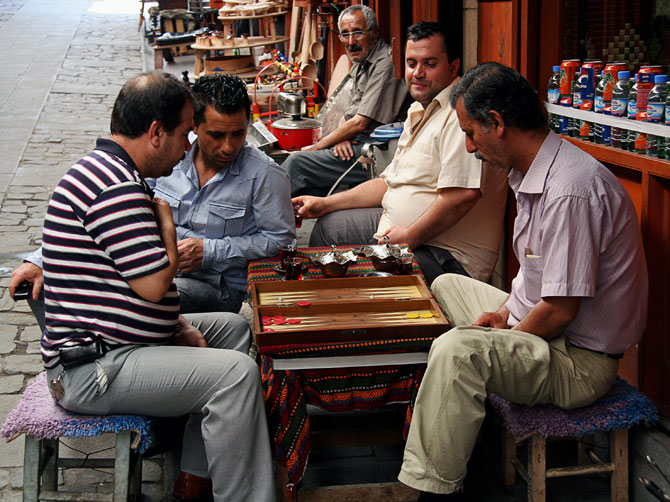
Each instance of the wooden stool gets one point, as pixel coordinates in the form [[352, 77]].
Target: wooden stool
[[42, 461], [616, 412], [44, 422]]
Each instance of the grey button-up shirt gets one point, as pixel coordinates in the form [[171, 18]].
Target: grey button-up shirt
[[243, 213], [375, 92]]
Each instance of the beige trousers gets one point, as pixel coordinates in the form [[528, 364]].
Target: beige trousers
[[467, 363]]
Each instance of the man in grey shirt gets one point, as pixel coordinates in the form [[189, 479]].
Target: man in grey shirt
[[376, 98]]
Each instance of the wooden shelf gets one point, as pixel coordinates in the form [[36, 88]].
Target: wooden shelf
[[259, 16], [239, 44], [657, 129], [630, 160]]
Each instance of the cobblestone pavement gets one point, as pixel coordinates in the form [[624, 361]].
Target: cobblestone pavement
[[54, 102]]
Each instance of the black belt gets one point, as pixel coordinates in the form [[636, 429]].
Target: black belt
[[611, 356]]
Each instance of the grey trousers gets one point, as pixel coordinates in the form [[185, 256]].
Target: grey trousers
[[313, 173], [357, 226], [468, 362], [200, 292], [226, 436]]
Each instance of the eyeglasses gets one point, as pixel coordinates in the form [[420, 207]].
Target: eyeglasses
[[356, 35]]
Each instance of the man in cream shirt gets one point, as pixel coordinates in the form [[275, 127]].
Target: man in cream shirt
[[434, 196]]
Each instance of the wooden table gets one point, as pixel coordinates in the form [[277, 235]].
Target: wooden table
[[375, 372]]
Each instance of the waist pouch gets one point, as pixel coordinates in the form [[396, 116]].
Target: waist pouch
[[80, 354]]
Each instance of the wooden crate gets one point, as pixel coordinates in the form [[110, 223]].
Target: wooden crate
[[347, 309]]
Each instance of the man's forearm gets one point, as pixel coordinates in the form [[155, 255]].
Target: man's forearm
[[346, 131], [234, 252], [368, 194], [550, 316]]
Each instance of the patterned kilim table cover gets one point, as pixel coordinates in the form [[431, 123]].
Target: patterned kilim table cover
[[287, 393]]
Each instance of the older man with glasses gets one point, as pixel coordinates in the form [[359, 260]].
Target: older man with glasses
[[376, 98]]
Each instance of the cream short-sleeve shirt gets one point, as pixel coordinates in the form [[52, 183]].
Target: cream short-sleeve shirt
[[431, 154]]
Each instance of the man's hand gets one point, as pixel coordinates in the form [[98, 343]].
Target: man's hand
[[190, 252], [164, 220], [27, 272], [187, 335], [491, 320], [398, 234], [311, 148], [343, 150], [309, 206]]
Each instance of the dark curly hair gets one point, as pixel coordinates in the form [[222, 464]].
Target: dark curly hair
[[226, 93], [494, 86]]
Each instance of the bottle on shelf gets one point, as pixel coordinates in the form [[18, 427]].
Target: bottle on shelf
[[605, 135], [553, 96], [640, 142], [655, 112], [599, 99], [619, 108], [631, 112], [667, 123], [573, 124], [598, 107], [554, 86]]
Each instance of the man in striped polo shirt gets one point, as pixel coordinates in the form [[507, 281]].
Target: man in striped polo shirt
[[577, 303], [230, 204], [114, 340]]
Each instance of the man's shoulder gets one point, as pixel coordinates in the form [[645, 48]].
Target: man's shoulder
[[102, 169], [382, 52], [577, 171], [255, 162]]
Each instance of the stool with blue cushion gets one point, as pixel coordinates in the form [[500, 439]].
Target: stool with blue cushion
[[43, 422], [616, 412]]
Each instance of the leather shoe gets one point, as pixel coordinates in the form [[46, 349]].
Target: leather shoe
[[191, 488]]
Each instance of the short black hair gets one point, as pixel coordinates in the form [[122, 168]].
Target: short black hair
[[226, 93], [426, 29], [147, 97], [494, 86]]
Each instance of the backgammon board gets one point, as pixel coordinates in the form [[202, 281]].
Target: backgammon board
[[346, 309]]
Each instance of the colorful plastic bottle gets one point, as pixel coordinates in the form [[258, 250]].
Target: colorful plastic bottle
[[619, 108], [655, 114]]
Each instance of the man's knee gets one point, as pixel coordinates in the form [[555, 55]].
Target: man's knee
[[228, 320], [320, 235], [249, 375], [296, 162], [446, 282]]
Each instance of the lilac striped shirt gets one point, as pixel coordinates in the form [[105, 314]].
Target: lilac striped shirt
[[577, 234], [99, 233]]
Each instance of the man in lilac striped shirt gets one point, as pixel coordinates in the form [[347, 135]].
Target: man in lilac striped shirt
[[114, 340], [578, 302]]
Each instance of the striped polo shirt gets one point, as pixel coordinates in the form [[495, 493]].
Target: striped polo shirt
[[99, 233]]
